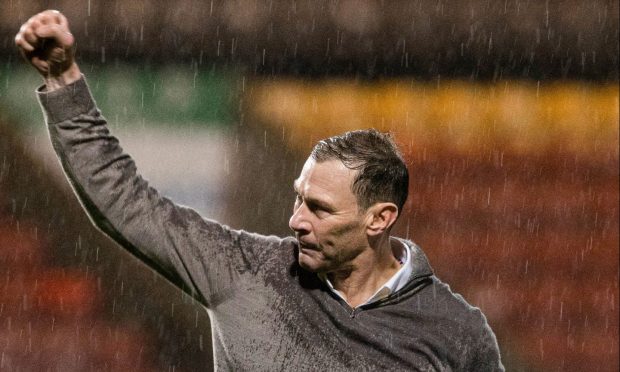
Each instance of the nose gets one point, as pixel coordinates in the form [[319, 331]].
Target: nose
[[298, 221]]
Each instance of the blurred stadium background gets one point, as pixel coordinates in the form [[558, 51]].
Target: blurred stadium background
[[507, 113]]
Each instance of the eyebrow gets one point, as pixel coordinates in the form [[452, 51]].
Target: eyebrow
[[319, 203]]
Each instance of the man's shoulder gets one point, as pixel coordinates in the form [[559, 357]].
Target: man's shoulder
[[431, 310], [266, 249], [437, 297], [468, 327], [454, 306]]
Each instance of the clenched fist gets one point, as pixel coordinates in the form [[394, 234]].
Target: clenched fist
[[46, 42]]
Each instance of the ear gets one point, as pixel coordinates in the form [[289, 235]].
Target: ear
[[380, 218]]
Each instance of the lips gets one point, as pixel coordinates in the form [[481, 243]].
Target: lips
[[307, 246]]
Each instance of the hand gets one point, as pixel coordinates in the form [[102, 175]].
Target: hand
[[46, 42]]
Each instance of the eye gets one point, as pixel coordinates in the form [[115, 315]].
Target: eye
[[321, 213], [318, 209]]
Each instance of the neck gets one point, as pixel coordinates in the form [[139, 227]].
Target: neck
[[370, 270]]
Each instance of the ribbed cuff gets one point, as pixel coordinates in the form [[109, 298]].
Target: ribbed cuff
[[67, 102]]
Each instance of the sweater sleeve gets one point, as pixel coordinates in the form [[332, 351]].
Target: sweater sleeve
[[202, 257], [486, 355]]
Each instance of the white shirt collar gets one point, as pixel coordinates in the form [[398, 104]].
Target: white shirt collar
[[396, 282]]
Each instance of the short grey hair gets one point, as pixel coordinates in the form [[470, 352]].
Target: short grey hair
[[382, 173]]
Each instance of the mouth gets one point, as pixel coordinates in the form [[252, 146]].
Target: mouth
[[305, 246]]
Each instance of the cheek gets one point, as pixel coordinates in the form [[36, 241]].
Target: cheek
[[323, 230], [340, 236], [346, 231], [323, 236]]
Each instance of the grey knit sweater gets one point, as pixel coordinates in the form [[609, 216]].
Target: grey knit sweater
[[267, 313]]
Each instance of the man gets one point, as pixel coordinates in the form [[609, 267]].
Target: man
[[342, 295]]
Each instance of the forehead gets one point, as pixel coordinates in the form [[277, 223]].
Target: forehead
[[326, 178]]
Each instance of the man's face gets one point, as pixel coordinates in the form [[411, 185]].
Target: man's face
[[326, 219]]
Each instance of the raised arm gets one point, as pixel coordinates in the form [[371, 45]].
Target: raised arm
[[201, 256]]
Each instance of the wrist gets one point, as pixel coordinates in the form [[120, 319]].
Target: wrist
[[69, 76]]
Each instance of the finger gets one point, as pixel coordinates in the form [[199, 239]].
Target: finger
[[27, 30], [33, 24], [46, 17], [62, 20], [29, 36], [52, 16], [40, 64], [23, 44], [56, 32]]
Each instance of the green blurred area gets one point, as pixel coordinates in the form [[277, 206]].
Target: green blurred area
[[169, 95]]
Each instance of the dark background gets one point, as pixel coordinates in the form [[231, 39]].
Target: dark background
[[372, 39]]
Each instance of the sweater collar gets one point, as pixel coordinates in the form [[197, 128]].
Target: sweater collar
[[419, 262], [415, 265]]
